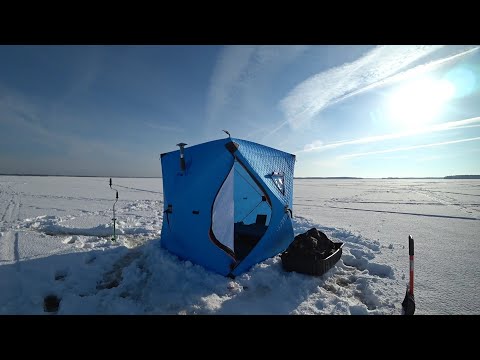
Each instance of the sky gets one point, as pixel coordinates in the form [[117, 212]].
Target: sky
[[343, 110]]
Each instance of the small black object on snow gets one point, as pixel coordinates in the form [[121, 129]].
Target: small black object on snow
[[51, 303]]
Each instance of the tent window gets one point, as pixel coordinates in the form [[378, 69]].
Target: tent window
[[223, 214], [252, 212], [279, 181], [241, 212]]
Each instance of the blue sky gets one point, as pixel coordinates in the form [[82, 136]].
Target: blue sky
[[367, 111]]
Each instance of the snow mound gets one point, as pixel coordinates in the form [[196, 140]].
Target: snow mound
[[54, 225]]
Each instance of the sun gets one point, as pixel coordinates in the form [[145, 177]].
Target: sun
[[419, 102]]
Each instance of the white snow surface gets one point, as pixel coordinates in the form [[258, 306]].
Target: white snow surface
[[55, 239]]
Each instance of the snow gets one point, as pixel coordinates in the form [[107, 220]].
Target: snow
[[55, 239]]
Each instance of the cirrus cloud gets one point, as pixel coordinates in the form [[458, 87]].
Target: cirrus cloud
[[377, 67]]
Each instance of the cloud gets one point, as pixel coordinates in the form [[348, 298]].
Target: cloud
[[460, 124], [376, 68], [164, 127], [273, 131], [413, 72], [240, 71], [407, 148], [86, 70], [17, 110], [71, 155], [230, 69], [317, 144]]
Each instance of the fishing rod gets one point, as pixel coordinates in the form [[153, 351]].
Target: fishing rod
[[114, 238]]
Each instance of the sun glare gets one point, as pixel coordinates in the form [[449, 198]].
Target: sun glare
[[419, 102]]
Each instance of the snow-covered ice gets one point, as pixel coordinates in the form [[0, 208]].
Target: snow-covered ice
[[55, 239]]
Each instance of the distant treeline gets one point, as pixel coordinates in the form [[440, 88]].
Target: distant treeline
[[411, 177], [462, 177], [333, 177], [92, 176]]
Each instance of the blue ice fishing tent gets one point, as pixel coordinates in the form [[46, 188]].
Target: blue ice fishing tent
[[227, 203]]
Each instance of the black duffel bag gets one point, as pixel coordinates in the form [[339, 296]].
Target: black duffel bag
[[311, 253]]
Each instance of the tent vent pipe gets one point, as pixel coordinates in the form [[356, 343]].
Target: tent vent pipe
[[182, 156]]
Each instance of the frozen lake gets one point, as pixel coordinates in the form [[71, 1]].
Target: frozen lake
[[443, 216], [55, 239]]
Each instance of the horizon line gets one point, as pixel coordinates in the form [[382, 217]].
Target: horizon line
[[458, 176]]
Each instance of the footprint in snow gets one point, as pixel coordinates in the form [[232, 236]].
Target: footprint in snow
[[70, 239], [89, 259], [60, 275]]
